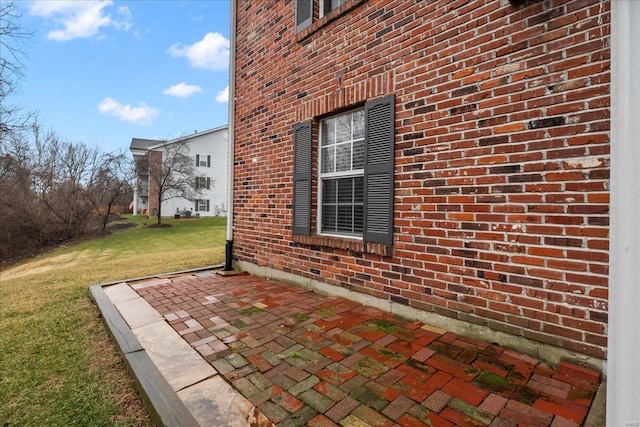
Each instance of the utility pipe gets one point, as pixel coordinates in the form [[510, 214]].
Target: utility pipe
[[228, 263]]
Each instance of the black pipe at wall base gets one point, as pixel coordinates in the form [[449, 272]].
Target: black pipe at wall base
[[228, 254]]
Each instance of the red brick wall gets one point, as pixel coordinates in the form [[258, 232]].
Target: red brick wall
[[502, 154]]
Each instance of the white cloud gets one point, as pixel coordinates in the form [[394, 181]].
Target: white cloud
[[79, 19], [141, 115], [182, 90], [223, 95], [212, 52]]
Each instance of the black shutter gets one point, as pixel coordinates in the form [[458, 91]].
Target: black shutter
[[302, 170], [197, 182], [208, 161], [208, 183], [378, 171], [207, 205], [197, 160], [197, 202], [304, 14]]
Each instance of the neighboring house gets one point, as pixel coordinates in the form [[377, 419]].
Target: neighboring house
[[445, 160], [209, 152]]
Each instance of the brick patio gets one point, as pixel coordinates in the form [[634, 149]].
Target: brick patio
[[307, 359]]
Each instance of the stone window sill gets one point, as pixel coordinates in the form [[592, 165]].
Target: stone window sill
[[357, 246]]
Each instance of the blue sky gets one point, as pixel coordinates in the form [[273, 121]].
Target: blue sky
[[103, 72]]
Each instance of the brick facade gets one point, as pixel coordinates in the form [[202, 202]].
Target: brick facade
[[501, 202]]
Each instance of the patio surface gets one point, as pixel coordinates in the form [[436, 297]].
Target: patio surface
[[302, 358]]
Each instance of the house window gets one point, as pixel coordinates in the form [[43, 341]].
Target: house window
[[307, 9], [203, 161], [354, 178], [342, 174], [202, 205], [203, 182], [327, 6]]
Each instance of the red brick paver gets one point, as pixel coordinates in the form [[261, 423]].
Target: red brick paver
[[308, 359]]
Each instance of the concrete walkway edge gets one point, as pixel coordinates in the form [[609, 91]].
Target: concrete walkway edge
[[163, 404]]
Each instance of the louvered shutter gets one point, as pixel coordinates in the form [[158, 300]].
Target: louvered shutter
[[197, 203], [208, 183], [208, 161], [378, 171], [302, 179], [197, 182], [304, 14], [197, 160], [208, 205]]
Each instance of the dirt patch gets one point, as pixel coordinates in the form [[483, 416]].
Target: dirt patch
[[120, 226]]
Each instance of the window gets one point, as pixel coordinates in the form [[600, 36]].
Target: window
[[342, 174], [354, 178], [202, 205], [203, 160], [203, 182], [307, 9], [327, 6]]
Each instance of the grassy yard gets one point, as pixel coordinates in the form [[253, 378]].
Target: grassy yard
[[58, 365]]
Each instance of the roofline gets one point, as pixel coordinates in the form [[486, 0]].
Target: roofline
[[182, 138]]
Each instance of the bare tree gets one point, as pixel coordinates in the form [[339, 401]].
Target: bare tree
[[13, 39], [171, 172], [111, 182]]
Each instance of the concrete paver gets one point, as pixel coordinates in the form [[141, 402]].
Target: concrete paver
[[250, 351], [180, 364]]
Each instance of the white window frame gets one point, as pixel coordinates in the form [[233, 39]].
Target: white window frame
[[353, 173], [202, 205]]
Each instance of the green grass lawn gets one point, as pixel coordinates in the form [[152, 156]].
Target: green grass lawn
[[58, 365]]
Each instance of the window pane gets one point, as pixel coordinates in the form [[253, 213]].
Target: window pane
[[343, 128], [345, 219], [328, 132], [358, 190], [329, 191], [358, 218], [329, 218], [328, 159], [343, 157], [358, 124], [345, 190], [358, 154]]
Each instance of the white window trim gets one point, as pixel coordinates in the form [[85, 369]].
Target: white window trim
[[321, 176]]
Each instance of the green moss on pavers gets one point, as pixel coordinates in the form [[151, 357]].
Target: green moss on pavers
[[420, 366], [250, 311], [370, 368], [370, 398], [301, 317], [492, 382], [449, 350], [388, 353], [382, 326], [471, 411], [525, 395], [327, 311], [299, 418]]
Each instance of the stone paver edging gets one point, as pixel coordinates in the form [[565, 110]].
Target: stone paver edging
[[178, 386]]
